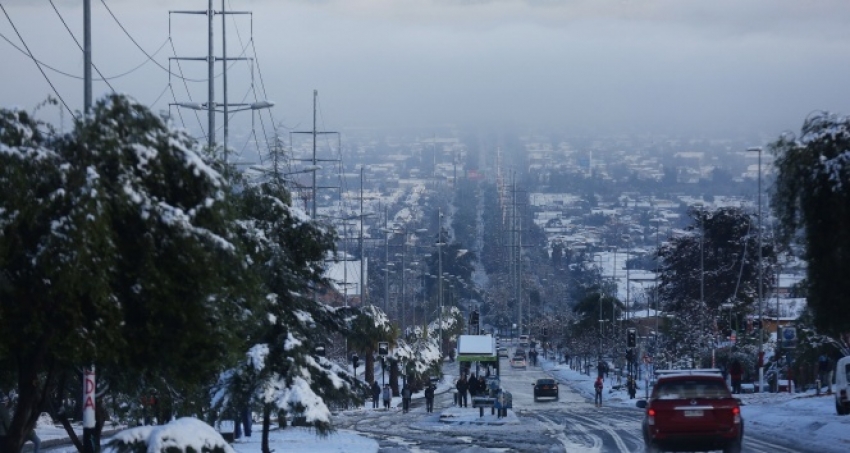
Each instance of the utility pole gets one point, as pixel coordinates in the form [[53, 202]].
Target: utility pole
[[87, 88], [314, 160], [440, 273], [761, 308], [210, 59], [362, 259], [89, 415], [387, 260]]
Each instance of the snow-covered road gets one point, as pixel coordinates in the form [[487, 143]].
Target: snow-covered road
[[571, 424]]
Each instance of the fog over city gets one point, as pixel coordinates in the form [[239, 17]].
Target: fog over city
[[702, 68]]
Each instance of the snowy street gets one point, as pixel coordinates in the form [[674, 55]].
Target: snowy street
[[776, 423], [571, 424]]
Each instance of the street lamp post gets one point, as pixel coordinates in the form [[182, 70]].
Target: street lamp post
[[761, 308]]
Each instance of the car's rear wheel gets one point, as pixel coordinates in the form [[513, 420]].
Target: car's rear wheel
[[652, 448], [734, 447]]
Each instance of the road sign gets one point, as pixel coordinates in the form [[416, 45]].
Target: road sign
[[789, 337], [383, 348]]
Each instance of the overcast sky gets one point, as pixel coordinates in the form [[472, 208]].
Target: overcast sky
[[709, 67]]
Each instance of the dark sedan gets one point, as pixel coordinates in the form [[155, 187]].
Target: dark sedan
[[545, 388]]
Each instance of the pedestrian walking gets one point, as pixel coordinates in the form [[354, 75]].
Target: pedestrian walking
[[472, 385], [5, 420], [462, 387], [824, 367], [631, 386], [597, 386], [387, 394], [36, 442], [429, 398], [406, 394], [735, 373], [376, 394]]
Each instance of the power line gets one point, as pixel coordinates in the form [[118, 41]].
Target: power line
[[29, 53], [74, 76], [150, 57], [183, 79], [78, 44], [160, 95]]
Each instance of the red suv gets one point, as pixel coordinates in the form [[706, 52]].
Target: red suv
[[692, 411]]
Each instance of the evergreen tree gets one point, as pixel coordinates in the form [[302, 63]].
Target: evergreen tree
[[716, 263], [282, 371], [112, 242], [811, 199]]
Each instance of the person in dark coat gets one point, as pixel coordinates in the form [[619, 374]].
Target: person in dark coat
[[406, 395], [462, 387], [387, 394], [376, 394], [5, 419], [429, 399], [597, 386], [736, 371], [631, 386], [472, 385]]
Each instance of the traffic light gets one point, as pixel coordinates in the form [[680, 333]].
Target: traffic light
[[320, 350], [545, 331], [473, 318], [631, 337], [355, 360]]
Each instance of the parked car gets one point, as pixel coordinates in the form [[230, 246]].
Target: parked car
[[519, 362], [503, 352], [692, 411], [545, 388], [841, 386]]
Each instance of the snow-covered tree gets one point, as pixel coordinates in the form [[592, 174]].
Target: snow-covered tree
[[368, 327], [282, 371], [811, 199], [714, 263], [113, 239], [419, 355]]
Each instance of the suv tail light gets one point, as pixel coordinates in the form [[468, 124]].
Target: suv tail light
[[650, 416], [736, 415]]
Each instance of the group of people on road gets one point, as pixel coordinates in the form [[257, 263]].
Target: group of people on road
[[385, 394], [472, 386]]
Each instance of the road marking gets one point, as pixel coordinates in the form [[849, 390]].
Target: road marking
[[569, 445], [621, 444]]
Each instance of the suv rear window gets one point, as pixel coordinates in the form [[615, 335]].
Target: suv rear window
[[690, 389]]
